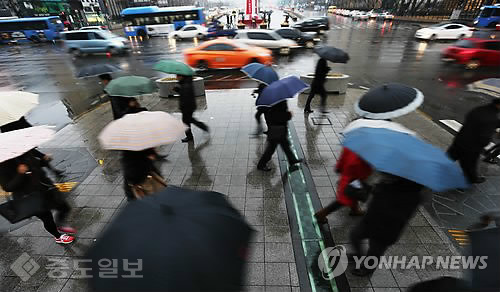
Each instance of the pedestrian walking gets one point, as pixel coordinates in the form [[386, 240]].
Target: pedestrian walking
[[24, 177], [187, 105], [351, 168], [138, 171], [318, 85], [479, 126], [277, 117], [490, 155], [260, 109], [394, 203], [45, 159], [105, 79]]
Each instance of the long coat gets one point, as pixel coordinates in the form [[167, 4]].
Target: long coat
[[320, 73], [137, 166], [479, 126], [394, 203], [187, 100], [351, 167]]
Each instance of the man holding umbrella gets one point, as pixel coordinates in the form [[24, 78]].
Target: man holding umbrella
[[479, 126]]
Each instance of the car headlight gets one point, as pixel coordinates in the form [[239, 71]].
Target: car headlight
[[264, 55], [475, 21]]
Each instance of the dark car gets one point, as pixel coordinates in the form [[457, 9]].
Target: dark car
[[214, 31], [301, 38], [319, 25]]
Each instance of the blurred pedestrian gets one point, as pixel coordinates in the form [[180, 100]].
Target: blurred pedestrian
[[23, 176], [479, 126], [318, 85], [394, 203], [45, 159], [187, 105], [138, 167], [490, 155], [351, 168], [277, 117], [260, 109], [105, 79]]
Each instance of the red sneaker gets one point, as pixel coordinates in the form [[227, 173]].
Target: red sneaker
[[66, 229], [65, 239]]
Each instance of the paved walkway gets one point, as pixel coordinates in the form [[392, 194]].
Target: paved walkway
[[224, 161]]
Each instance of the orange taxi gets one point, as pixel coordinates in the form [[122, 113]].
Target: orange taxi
[[225, 53]]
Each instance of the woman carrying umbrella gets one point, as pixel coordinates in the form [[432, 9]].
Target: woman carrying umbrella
[[187, 105]]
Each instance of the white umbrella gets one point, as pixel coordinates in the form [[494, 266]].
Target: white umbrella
[[16, 143], [140, 131], [367, 123], [15, 104]]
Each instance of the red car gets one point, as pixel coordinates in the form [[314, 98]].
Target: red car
[[474, 52]]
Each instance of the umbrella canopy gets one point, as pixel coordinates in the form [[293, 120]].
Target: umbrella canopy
[[366, 123], [332, 54], [406, 156], [130, 86], [15, 104], [388, 101], [490, 86], [97, 69], [16, 143], [173, 67], [140, 131], [261, 73], [280, 90], [187, 240], [485, 242]]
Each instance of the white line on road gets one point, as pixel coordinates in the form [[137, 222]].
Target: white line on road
[[363, 87], [452, 124]]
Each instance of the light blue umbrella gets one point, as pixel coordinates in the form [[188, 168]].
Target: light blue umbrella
[[261, 73], [280, 90], [406, 156]]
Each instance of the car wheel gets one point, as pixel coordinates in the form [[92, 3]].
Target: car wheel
[[202, 65], [285, 51], [177, 37], [76, 52], [142, 34], [472, 64], [433, 37], [200, 36], [461, 36], [492, 25], [113, 51], [309, 44], [35, 39]]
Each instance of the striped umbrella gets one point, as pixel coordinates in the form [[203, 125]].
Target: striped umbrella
[[140, 131]]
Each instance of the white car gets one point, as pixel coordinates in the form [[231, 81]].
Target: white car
[[450, 31], [93, 28], [190, 31], [361, 16], [267, 39], [385, 16]]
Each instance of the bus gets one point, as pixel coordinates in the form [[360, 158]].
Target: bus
[[32, 29], [154, 21], [489, 16]]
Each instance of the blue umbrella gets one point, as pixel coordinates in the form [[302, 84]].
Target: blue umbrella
[[406, 156], [261, 73], [280, 90]]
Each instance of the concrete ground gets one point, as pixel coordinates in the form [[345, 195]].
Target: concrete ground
[[225, 161]]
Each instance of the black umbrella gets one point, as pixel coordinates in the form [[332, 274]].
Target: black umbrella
[[332, 54], [388, 101], [187, 240], [486, 242], [97, 69]]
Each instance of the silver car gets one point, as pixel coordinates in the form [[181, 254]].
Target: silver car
[[94, 41]]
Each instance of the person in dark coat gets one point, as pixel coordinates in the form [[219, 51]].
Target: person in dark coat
[[119, 104], [478, 129], [318, 85], [394, 203], [277, 118], [22, 123], [260, 109], [23, 176], [187, 105], [137, 165]]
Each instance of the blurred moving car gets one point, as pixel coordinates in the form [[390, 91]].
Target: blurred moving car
[[301, 38], [385, 16], [473, 52], [317, 25], [445, 30], [190, 31], [267, 39], [372, 14], [215, 31], [79, 42], [96, 27], [489, 16], [225, 53], [361, 16]]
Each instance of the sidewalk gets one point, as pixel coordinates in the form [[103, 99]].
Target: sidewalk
[[225, 161]]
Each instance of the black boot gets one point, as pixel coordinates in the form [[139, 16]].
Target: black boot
[[189, 136]]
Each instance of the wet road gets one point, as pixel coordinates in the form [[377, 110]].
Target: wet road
[[380, 52]]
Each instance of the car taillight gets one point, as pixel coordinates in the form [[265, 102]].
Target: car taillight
[[104, 27]]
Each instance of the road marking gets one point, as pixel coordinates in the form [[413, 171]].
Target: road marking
[[66, 186], [452, 124], [363, 87]]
